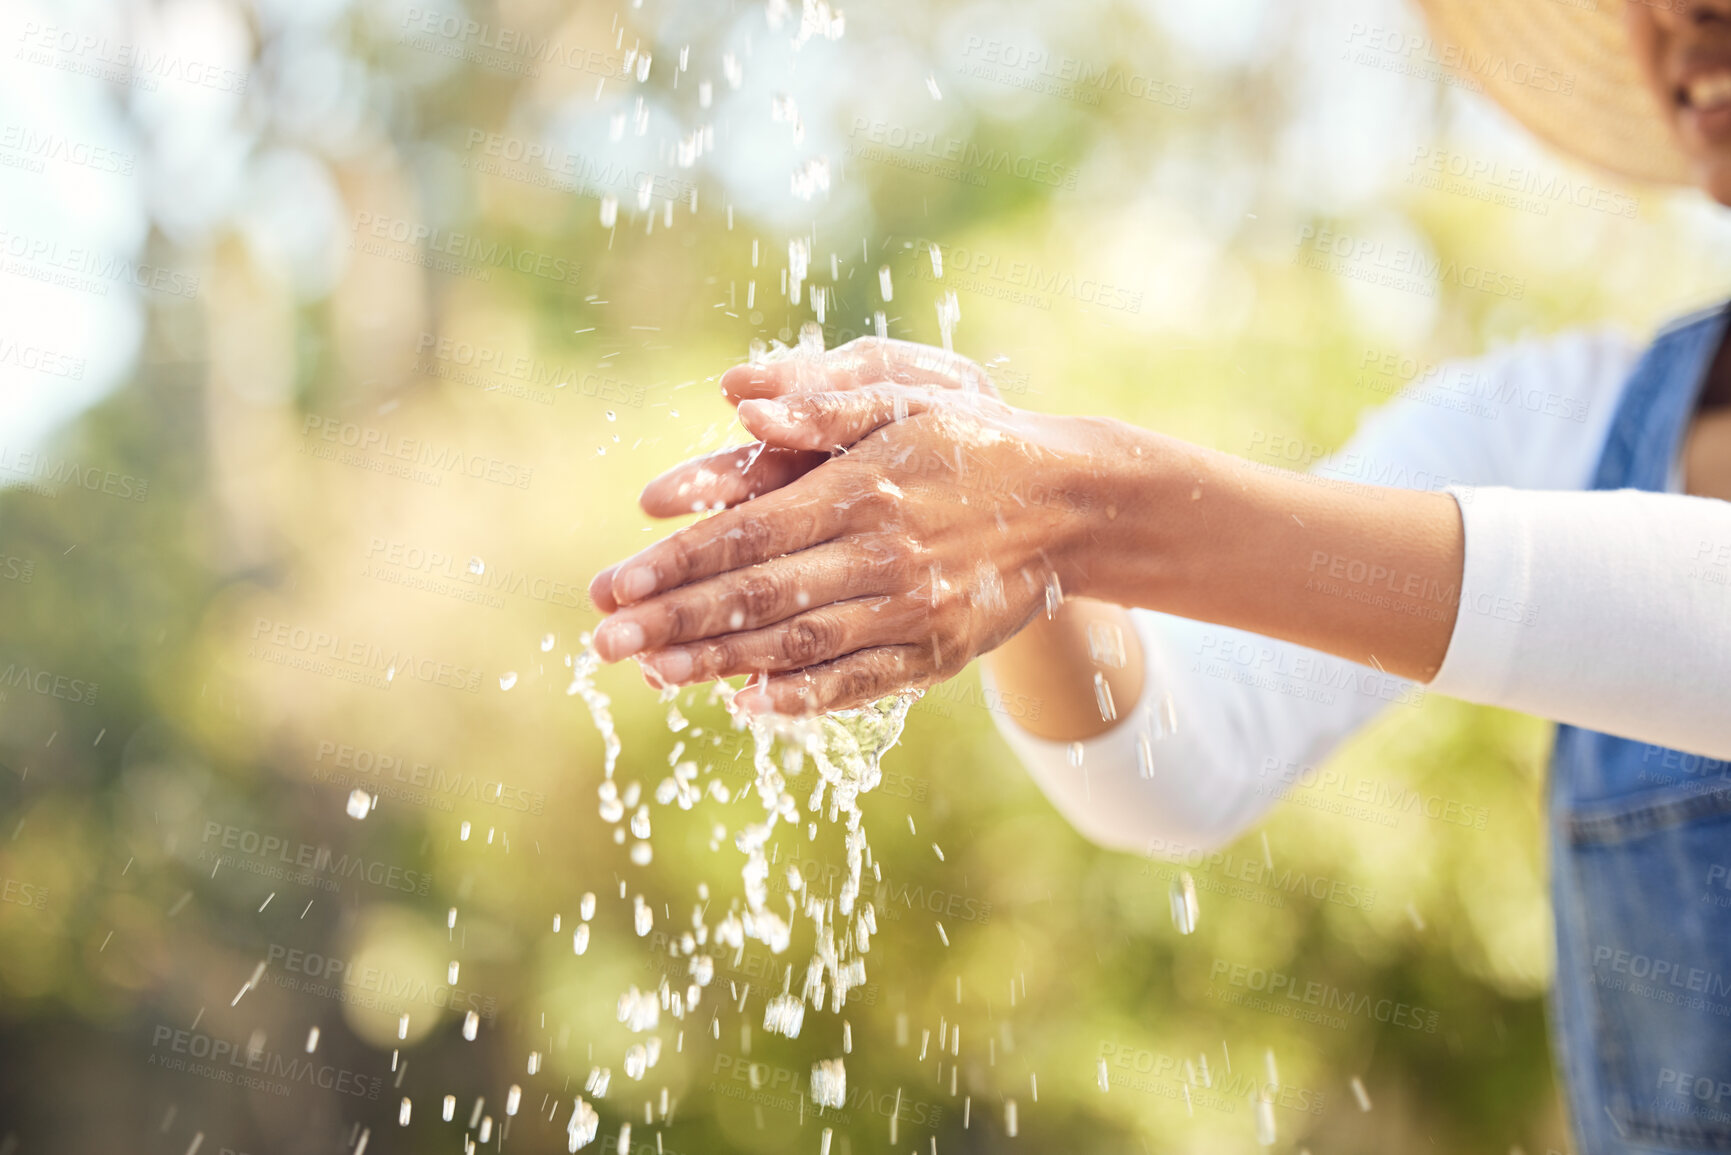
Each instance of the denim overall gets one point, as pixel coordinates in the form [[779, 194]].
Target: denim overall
[[1640, 858]]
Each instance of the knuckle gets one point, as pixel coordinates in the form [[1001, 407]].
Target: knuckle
[[749, 541], [680, 619], [760, 596], [719, 659], [812, 637], [679, 557]]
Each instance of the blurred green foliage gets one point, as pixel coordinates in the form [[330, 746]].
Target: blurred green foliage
[[271, 418]]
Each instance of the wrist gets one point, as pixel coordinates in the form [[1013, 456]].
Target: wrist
[[1133, 505]]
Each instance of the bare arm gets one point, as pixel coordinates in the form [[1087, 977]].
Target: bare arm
[[942, 557]]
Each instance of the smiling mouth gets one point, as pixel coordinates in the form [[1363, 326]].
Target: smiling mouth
[[1707, 92]]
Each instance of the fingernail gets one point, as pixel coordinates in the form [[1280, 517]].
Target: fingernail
[[771, 411], [616, 639], [754, 701], [635, 583], [672, 665]]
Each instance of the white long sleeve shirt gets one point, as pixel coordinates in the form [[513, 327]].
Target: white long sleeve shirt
[[1609, 610]]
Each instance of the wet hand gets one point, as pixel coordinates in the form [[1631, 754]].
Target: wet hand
[[931, 536], [726, 478]]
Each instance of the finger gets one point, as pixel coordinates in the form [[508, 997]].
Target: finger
[[723, 479], [832, 421], [858, 679], [745, 599], [866, 361], [601, 590], [790, 519], [807, 639]]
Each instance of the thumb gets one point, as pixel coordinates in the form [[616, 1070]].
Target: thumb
[[827, 422]]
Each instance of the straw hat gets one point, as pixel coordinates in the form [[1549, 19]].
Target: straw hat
[[1562, 68]]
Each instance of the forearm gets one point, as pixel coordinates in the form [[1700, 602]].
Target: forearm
[[1053, 662], [1367, 573]]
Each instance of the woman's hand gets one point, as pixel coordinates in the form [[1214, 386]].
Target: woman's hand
[[933, 534], [724, 479]]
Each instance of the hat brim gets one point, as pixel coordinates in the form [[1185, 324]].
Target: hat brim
[[1565, 73]]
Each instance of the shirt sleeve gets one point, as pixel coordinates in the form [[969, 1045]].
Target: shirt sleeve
[[1604, 610], [1228, 718]]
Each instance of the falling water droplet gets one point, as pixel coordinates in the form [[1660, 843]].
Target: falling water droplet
[[507, 679], [1264, 1108], [403, 1113], [1359, 1093], [477, 566], [1184, 902], [471, 1024], [1103, 698], [312, 1040], [360, 803]]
